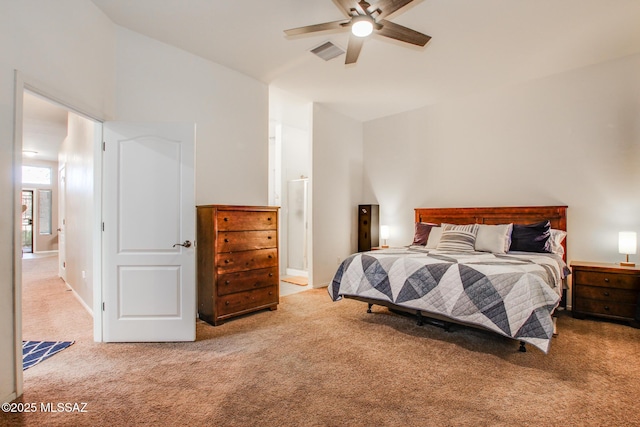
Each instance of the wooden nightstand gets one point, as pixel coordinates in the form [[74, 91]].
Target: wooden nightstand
[[606, 290]]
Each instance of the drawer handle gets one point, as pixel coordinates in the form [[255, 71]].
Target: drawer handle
[[606, 294], [270, 256], [606, 307], [269, 237], [226, 261], [269, 219], [226, 219], [270, 274], [226, 282], [226, 240], [226, 303], [270, 292], [606, 279]]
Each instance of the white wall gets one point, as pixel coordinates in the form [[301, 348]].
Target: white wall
[[157, 82], [76, 155], [336, 190], [66, 48], [570, 139]]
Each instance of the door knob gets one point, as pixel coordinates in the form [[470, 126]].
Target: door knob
[[186, 244]]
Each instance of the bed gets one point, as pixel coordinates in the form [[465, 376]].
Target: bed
[[511, 293]]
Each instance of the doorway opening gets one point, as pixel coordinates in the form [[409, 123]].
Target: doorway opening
[[290, 186], [58, 144]]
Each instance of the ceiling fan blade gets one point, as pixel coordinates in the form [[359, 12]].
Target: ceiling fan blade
[[348, 5], [335, 25], [387, 7], [404, 34], [353, 49]]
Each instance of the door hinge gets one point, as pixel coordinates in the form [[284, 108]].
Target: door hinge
[[103, 226], [104, 146], [102, 306]]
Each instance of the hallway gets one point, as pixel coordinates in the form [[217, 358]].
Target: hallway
[[50, 311]]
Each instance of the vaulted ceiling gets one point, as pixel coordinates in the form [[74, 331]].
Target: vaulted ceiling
[[476, 45]]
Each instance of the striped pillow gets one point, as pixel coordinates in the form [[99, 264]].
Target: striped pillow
[[458, 238]]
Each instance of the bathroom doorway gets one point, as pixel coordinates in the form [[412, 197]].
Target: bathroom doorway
[[290, 186]]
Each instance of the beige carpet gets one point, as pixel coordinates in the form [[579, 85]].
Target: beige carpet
[[314, 362]]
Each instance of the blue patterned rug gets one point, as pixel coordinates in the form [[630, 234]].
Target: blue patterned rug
[[34, 352]]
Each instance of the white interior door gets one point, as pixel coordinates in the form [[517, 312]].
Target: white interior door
[[149, 285], [62, 214]]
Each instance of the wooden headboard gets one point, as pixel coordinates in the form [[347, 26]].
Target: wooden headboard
[[497, 215]]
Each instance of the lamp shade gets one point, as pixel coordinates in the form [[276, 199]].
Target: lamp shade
[[627, 243], [384, 232]]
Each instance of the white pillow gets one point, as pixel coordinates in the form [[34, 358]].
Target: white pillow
[[434, 238], [556, 238], [493, 238], [458, 238]]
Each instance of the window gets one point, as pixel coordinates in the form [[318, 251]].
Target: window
[[44, 211], [36, 175]]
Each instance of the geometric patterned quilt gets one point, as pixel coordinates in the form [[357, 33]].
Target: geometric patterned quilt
[[512, 294]]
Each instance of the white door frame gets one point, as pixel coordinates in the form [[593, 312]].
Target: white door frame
[[62, 215], [22, 83]]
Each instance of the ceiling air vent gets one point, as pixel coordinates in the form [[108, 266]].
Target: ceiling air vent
[[327, 51]]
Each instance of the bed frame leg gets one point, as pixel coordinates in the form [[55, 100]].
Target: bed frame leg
[[522, 348], [420, 321], [369, 308]]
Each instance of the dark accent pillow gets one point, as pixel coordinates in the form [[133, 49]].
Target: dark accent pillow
[[531, 237], [421, 235]]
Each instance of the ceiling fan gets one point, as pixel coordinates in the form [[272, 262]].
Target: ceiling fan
[[365, 18]]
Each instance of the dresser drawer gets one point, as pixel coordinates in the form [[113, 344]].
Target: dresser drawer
[[246, 260], [626, 296], [590, 306], [246, 301], [246, 280], [246, 220], [232, 241], [608, 280]]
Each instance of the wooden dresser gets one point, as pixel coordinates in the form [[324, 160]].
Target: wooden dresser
[[237, 249], [606, 290]]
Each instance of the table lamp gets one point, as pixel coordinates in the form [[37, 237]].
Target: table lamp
[[384, 235], [627, 244]]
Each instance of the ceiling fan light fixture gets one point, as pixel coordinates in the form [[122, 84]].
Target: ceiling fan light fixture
[[362, 26], [362, 20]]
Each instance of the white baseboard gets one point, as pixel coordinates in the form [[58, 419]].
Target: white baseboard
[[296, 272], [80, 300], [9, 398]]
